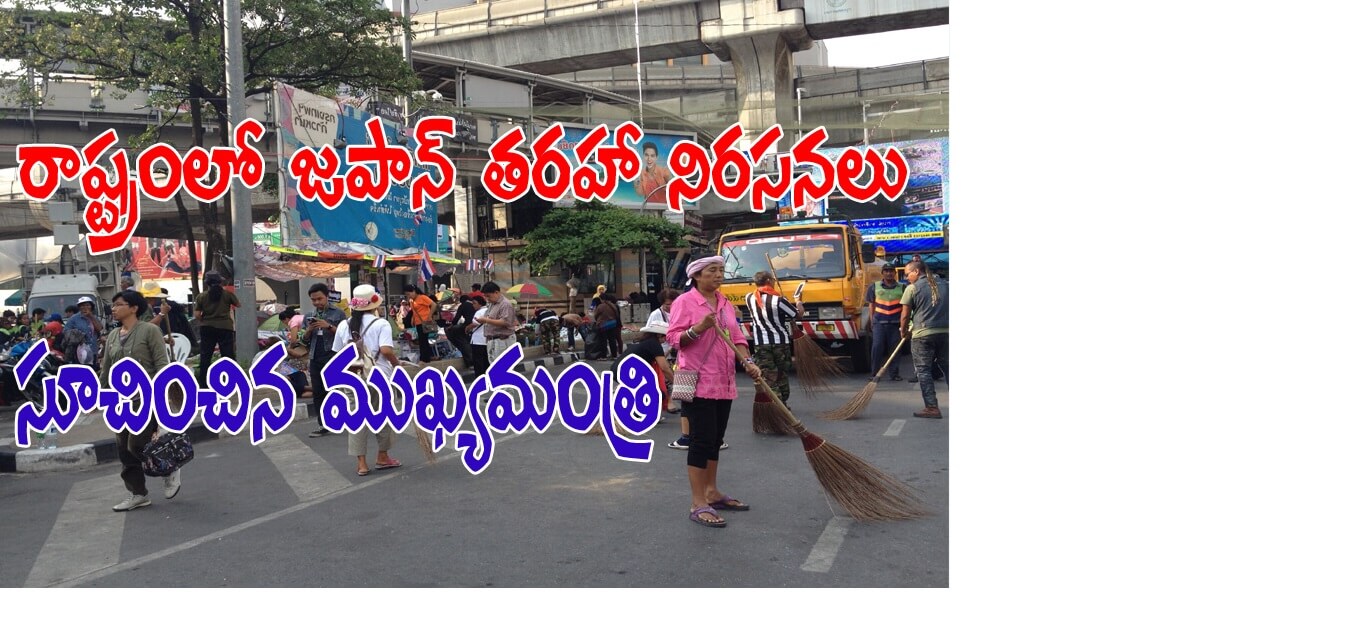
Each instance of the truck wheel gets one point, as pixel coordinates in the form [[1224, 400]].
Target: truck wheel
[[861, 355]]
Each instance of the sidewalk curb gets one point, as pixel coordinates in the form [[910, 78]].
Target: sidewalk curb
[[77, 456]]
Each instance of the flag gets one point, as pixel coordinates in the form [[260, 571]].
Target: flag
[[380, 261], [489, 265], [426, 272]]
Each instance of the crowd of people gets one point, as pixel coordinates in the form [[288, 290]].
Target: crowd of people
[[686, 340]]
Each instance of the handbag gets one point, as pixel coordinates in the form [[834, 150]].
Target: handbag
[[165, 454], [684, 385]]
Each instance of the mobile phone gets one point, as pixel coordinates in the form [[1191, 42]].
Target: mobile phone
[[799, 288]]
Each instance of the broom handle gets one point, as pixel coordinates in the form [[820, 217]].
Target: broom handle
[[767, 390], [795, 324], [883, 367]]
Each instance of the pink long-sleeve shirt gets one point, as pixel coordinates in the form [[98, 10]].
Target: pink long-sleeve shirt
[[708, 355]]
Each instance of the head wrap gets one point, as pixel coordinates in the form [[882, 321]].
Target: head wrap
[[697, 266]]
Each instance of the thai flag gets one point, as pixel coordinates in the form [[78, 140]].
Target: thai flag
[[426, 267], [489, 264], [380, 261]]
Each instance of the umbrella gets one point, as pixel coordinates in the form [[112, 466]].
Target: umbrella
[[528, 289], [15, 299]]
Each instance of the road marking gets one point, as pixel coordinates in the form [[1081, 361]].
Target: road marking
[[895, 427], [822, 555], [96, 573], [86, 536], [309, 475]]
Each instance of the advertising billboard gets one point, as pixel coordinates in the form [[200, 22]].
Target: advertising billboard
[[653, 147], [308, 120], [916, 221]]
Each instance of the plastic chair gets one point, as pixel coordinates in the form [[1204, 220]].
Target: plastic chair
[[179, 348]]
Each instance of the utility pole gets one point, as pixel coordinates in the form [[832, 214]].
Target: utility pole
[[246, 326]]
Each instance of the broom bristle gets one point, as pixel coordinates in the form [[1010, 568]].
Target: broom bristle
[[766, 419], [425, 444], [813, 366], [854, 406], [868, 493]]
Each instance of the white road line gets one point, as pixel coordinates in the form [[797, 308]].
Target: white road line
[[309, 475], [97, 573], [895, 427], [822, 555], [86, 535]]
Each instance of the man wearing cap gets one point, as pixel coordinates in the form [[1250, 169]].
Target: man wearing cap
[[85, 323], [499, 322], [319, 338], [883, 301]]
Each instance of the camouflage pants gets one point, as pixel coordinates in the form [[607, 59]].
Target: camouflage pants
[[775, 363], [931, 352], [550, 336]]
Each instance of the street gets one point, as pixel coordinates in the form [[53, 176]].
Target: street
[[552, 510]]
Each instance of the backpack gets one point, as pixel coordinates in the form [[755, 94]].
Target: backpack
[[365, 362]]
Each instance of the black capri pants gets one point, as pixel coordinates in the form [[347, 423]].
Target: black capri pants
[[706, 423]]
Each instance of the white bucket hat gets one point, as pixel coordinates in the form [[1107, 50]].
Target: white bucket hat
[[657, 327], [365, 298]]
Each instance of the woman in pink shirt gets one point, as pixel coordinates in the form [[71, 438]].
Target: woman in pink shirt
[[695, 314]]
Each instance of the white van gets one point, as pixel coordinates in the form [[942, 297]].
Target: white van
[[54, 293]]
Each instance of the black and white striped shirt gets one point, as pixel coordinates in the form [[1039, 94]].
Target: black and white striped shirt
[[770, 314]]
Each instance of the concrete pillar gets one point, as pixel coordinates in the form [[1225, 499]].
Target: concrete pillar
[[758, 38]]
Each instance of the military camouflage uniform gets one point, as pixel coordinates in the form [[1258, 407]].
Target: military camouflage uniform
[[775, 363], [550, 335]]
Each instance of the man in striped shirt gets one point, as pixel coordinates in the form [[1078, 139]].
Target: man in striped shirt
[[771, 340]]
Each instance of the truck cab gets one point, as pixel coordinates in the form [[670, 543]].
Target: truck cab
[[827, 259]]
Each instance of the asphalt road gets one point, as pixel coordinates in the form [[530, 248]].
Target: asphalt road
[[552, 510]]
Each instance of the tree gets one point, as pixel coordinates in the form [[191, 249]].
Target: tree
[[593, 232], [173, 49]]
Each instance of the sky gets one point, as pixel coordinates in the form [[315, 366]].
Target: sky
[[890, 48]]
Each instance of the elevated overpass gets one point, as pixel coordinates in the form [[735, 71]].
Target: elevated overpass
[[756, 36]]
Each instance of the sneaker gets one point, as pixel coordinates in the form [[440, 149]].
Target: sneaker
[[724, 445], [318, 433], [681, 444], [172, 485], [132, 502]]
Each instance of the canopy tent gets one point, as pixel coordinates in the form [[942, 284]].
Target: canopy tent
[[12, 297]]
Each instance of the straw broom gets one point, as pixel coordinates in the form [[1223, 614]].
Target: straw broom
[[766, 418], [424, 438], [857, 404], [867, 493]]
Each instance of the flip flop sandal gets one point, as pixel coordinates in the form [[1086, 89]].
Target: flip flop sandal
[[394, 463], [724, 505], [363, 473], [696, 514]]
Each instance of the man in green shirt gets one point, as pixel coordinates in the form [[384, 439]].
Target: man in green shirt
[[926, 304]]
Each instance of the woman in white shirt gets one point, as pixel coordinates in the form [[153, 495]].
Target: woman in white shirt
[[367, 325]]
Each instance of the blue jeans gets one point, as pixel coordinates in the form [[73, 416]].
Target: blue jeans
[[884, 339]]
